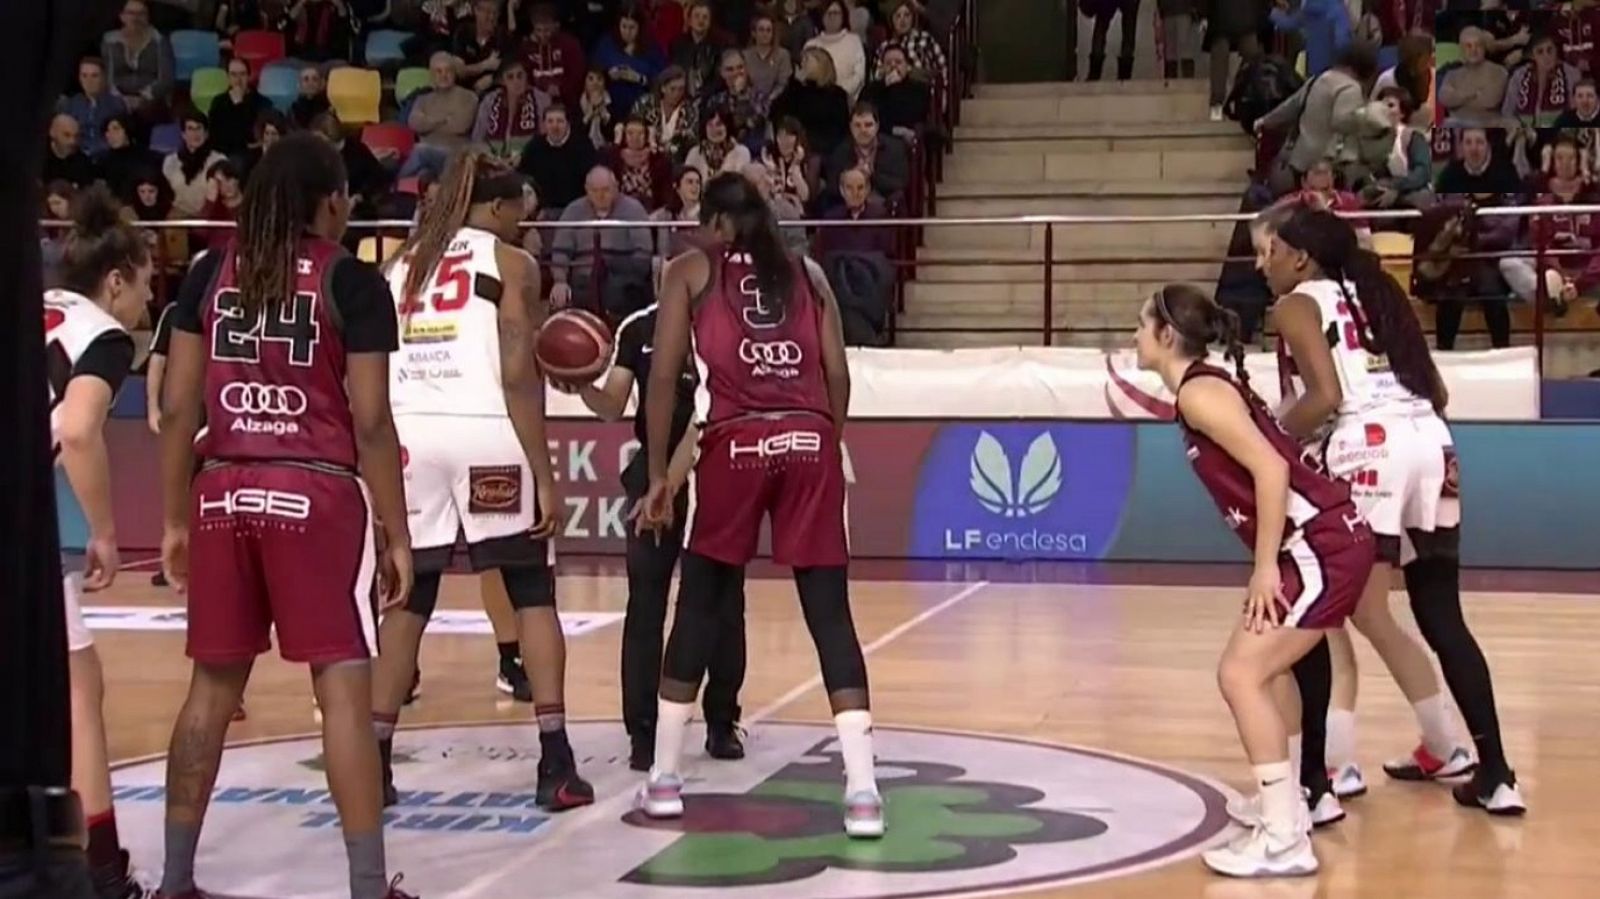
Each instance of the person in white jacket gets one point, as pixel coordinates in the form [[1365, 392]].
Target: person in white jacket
[[849, 55]]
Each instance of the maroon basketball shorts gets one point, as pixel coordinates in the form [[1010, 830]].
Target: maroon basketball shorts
[[788, 468], [1325, 570], [280, 546]]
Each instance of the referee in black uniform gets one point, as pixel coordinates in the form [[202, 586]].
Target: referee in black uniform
[[651, 559]]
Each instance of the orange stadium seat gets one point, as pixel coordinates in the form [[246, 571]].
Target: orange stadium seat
[[356, 95]]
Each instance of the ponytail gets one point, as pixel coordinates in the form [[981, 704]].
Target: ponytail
[[101, 241], [280, 202], [440, 221], [1387, 325], [1225, 330], [755, 231]]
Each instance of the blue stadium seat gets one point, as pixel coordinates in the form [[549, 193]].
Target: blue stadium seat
[[280, 84], [194, 50], [384, 47], [166, 139]]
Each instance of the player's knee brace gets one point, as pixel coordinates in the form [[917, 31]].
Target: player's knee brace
[[825, 601], [532, 587], [424, 594]]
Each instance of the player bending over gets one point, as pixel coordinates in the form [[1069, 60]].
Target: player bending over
[[1369, 394], [104, 278], [469, 405], [283, 340], [1312, 556], [770, 447]]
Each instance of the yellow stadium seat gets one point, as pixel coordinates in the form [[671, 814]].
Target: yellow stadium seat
[[356, 95], [368, 250], [1396, 250]]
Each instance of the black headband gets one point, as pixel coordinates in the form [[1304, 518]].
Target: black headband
[[1165, 315], [503, 186]]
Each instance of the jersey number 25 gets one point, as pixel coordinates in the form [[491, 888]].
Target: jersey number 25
[[452, 287]]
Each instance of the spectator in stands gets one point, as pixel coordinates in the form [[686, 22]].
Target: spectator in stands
[[1414, 75], [629, 60], [1328, 113], [717, 151], [1319, 189], [442, 117], [1323, 27], [481, 44], [642, 172], [902, 101], [682, 206], [1394, 166], [1231, 26], [123, 160], [66, 160], [881, 157], [53, 241], [816, 101], [270, 126], [790, 168], [844, 47], [1539, 91], [594, 107], [1567, 277], [1576, 27], [663, 22], [173, 15], [767, 62], [553, 59], [1473, 92], [626, 252], [224, 196], [925, 59], [1480, 168], [313, 100], [1102, 12], [186, 168], [367, 178], [441, 20], [509, 115], [858, 260], [1584, 115], [559, 160], [784, 208], [860, 18], [674, 118], [234, 16], [321, 31], [139, 60], [1179, 38], [151, 198], [698, 50], [1508, 32], [796, 28], [94, 106], [233, 114], [734, 98]]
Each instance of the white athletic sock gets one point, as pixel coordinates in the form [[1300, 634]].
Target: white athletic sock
[[1341, 738], [672, 718], [1294, 756], [1280, 797], [1433, 717], [855, 744]]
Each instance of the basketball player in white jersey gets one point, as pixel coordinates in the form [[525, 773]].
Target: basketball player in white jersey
[[1366, 389], [104, 279], [468, 400]]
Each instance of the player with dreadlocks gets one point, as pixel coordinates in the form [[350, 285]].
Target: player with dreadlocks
[[283, 340], [1312, 557], [469, 405], [1367, 390]]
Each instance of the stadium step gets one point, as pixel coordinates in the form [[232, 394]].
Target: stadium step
[[1138, 263], [1065, 161], [1179, 238], [1137, 87], [1075, 303], [1167, 135], [1135, 103], [1224, 189]]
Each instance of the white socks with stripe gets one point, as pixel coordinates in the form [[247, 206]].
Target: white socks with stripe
[[855, 744], [672, 718]]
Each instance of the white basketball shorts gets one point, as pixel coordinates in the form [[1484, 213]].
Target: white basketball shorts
[[1403, 477]]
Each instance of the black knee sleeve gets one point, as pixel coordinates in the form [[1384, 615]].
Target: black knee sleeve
[[825, 601], [694, 626], [1313, 674], [530, 587], [424, 594]]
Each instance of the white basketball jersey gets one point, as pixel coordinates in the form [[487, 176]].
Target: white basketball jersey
[[1368, 384], [449, 358], [72, 323]]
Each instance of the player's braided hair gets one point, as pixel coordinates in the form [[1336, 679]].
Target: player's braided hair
[[101, 241], [442, 217], [1199, 322], [280, 202], [1385, 323], [755, 229]]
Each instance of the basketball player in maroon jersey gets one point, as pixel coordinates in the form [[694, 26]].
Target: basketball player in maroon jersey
[[1312, 552], [773, 396], [283, 340]]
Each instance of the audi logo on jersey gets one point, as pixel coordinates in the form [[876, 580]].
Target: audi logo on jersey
[[246, 398], [778, 358]]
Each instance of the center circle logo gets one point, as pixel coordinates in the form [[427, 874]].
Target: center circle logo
[[968, 814]]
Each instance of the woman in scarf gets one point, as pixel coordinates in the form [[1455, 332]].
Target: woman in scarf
[[123, 160], [683, 206], [1575, 272], [717, 151], [1540, 90], [642, 172], [186, 168], [673, 119], [509, 116], [921, 48], [788, 165]]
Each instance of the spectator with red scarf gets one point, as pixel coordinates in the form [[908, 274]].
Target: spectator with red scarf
[[1577, 29], [321, 30], [553, 59], [509, 115], [1565, 182]]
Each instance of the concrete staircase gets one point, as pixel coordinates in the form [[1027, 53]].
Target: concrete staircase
[[1129, 148]]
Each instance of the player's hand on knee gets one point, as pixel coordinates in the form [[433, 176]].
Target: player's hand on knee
[[1261, 610]]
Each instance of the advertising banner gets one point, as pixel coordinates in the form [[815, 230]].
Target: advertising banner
[[1020, 490]]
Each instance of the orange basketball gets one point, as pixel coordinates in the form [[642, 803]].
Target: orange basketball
[[573, 347]]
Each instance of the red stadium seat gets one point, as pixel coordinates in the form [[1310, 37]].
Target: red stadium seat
[[389, 136], [259, 49]]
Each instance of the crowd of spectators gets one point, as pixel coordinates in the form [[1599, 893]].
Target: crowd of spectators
[[612, 109]]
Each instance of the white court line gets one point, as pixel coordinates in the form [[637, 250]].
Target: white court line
[[610, 809]]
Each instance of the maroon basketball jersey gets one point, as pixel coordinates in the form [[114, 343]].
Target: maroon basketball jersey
[[275, 382], [755, 358], [1312, 494]]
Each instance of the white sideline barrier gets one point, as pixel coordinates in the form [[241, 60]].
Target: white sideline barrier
[[1064, 382]]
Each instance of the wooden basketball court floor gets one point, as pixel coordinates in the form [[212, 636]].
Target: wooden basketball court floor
[[965, 663]]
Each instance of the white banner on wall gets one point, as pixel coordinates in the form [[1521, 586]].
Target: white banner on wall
[[1064, 382]]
